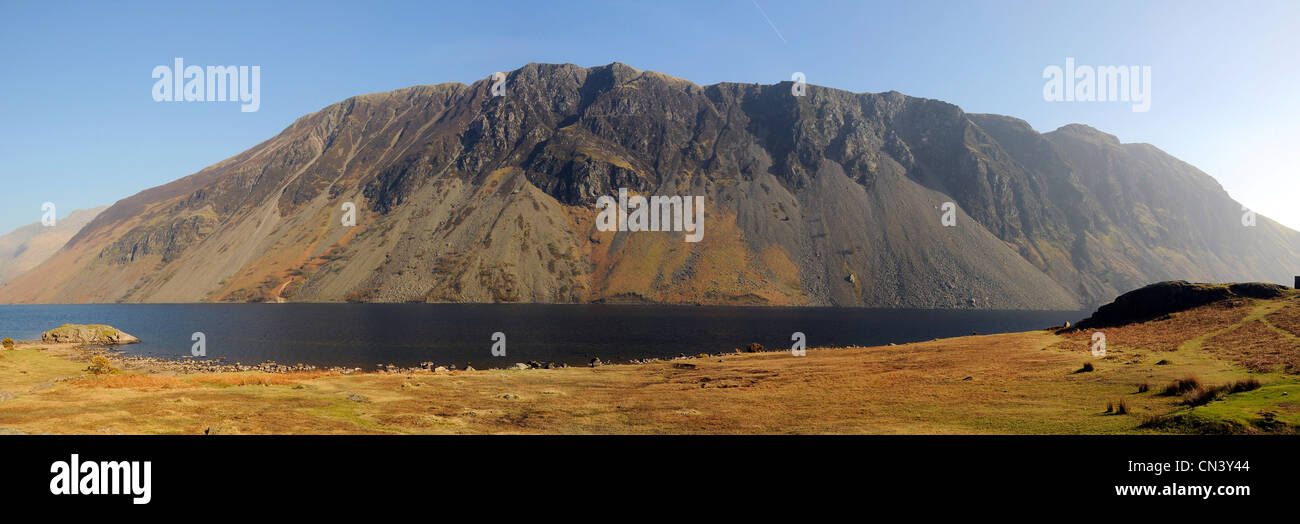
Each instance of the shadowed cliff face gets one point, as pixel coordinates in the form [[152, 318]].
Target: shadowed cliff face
[[832, 198]]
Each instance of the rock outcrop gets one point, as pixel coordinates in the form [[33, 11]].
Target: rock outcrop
[[1163, 298], [94, 334]]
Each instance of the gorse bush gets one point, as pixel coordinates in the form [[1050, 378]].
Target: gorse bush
[[101, 366], [8, 343]]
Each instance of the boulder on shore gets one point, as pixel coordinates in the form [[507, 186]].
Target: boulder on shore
[[94, 334]]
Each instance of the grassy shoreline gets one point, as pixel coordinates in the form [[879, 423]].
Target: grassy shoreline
[[1014, 383]]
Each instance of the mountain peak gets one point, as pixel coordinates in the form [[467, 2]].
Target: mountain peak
[[1087, 132], [466, 194]]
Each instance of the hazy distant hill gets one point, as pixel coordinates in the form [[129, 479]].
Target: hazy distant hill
[[832, 198], [26, 247]]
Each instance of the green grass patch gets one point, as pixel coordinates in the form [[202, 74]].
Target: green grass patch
[[1269, 409]]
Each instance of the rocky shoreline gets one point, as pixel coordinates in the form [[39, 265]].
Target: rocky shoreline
[[189, 365]]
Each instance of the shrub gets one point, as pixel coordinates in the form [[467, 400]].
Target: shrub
[[8, 343], [1121, 407], [1087, 368], [101, 366], [754, 348], [1144, 387]]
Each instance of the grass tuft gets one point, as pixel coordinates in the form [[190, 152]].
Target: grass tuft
[[1181, 386], [1201, 396], [1249, 384]]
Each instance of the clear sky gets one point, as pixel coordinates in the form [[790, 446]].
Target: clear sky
[[78, 125]]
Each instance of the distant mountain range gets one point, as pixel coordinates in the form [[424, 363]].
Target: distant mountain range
[[832, 198], [26, 247]]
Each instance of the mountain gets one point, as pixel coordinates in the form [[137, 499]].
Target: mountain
[[833, 198], [26, 247]]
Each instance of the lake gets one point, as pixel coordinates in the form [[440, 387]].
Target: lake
[[363, 335]]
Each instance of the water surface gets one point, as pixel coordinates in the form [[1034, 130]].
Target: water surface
[[364, 335]]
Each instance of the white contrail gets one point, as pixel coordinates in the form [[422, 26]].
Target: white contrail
[[769, 22]]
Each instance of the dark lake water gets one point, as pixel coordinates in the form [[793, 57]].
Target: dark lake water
[[364, 335]]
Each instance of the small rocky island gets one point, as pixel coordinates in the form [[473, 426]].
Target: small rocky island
[[93, 334]]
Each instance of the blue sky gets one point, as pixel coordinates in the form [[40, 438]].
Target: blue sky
[[79, 127]]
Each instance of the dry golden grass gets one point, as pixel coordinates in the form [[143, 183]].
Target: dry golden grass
[[132, 381], [1287, 318], [258, 379], [1014, 386], [1258, 347], [1169, 333]]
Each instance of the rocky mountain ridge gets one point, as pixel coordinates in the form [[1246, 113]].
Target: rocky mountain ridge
[[833, 198]]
